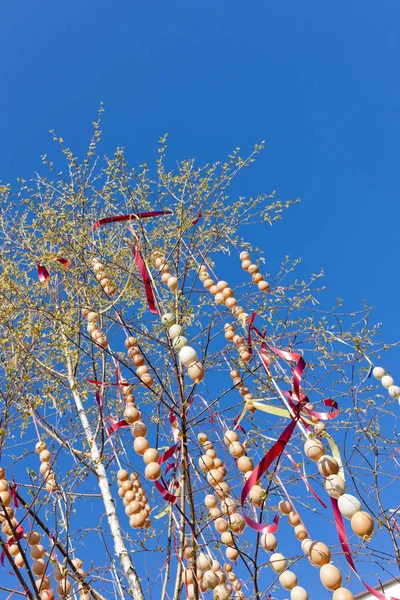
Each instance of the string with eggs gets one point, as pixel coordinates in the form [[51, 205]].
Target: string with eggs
[[387, 381], [102, 277], [134, 498], [93, 329], [134, 353], [45, 467], [254, 271]]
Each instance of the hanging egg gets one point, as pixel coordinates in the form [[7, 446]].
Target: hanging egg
[[245, 264], [175, 331], [278, 562], [139, 429], [173, 283], [230, 303], [342, 594], [210, 579], [245, 464], [153, 471], [288, 580], [221, 525], [196, 372], [150, 455], [168, 319], [285, 507], [319, 554], [236, 523], [38, 566], [294, 518], [319, 427], [230, 436], [330, 577], [314, 449], [252, 269], [362, 524], [37, 551], [5, 498], [140, 445], [165, 277], [227, 538], [257, 277], [45, 456], [137, 520], [268, 542], [394, 391], [298, 593], [387, 381], [264, 286], [244, 256], [214, 477], [210, 501], [179, 343], [19, 561], [232, 554], [222, 592], [33, 538], [206, 463], [221, 285], [378, 372], [300, 532], [188, 356], [257, 495], [227, 293], [335, 486], [306, 545], [228, 506], [236, 449], [213, 290], [204, 562], [147, 379], [349, 505], [208, 284]]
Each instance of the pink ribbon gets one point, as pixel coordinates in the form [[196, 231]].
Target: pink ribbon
[[44, 275], [131, 217]]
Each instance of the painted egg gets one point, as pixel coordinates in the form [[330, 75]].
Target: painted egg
[[179, 343], [330, 577], [288, 580], [175, 330], [349, 505], [278, 562], [387, 381], [168, 319], [335, 486], [378, 372], [188, 356], [298, 593], [268, 542], [362, 524]]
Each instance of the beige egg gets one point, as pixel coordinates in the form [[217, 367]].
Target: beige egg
[[147, 379], [37, 551], [245, 264], [140, 444], [244, 255], [387, 381], [227, 538], [300, 532], [43, 583], [153, 471], [187, 576], [19, 561], [314, 449], [264, 286], [236, 449], [210, 501], [132, 414], [222, 592], [228, 506], [330, 577], [236, 523], [342, 594], [45, 456], [222, 490], [137, 520], [173, 283], [335, 486], [196, 372], [210, 579], [150, 455], [319, 554], [208, 284], [221, 525], [221, 575], [230, 303], [4, 485], [63, 587], [38, 566], [188, 356], [232, 554], [33, 537], [294, 518], [285, 507], [362, 524], [298, 593], [122, 475], [214, 477], [306, 545], [288, 580], [139, 429], [268, 542], [203, 562], [5, 498], [245, 464], [327, 465], [278, 562], [215, 512]]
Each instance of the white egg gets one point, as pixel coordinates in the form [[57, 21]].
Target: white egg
[[175, 330], [387, 381], [349, 505], [335, 486], [168, 319], [394, 391], [188, 356], [378, 372], [179, 342]]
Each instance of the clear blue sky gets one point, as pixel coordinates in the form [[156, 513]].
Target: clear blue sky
[[319, 81]]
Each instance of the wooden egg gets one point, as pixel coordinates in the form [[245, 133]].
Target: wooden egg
[[244, 255], [231, 554], [227, 293], [147, 379], [179, 343], [221, 525], [327, 465], [202, 438], [210, 579], [143, 370], [268, 542], [206, 463], [298, 593], [362, 524], [230, 436], [314, 449], [387, 381], [285, 507], [378, 372], [139, 429], [245, 264], [288, 580], [349, 505], [204, 562], [37, 551], [394, 391], [153, 471], [294, 518], [335, 486], [263, 286], [40, 446], [257, 277], [196, 372], [245, 464], [38, 566], [168, 319], [342, 594], [150, 455], [138, 360], [330, 576], [140, 445], [252, 269], [222, 592], [236, 449], [300, 532], [213, 290], [319, 554], [173, 283], [188, 356], [278, 562], [306, 545]]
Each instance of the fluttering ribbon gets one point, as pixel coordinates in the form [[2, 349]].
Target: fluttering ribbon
[[131, 217], [168, 496], [116, 425], [44, 275], [146, 279]]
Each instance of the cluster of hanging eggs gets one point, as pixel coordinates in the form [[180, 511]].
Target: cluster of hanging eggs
[[243, 390], [142, 370], [93, 328], [131, 413], [387, 381], [186, 354], [137, 507], [45, 467], [239, 341], [38, 566], [349, 506], [222, 294], [160, 262], [102, 277], [254, 271], [64, 587]]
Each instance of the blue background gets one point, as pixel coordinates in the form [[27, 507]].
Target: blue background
[[318, 81]]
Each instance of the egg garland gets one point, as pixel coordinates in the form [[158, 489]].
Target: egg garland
[[142, 370], [97, 335], [45, 467], [243, 390], [387, 381], [102, 277], [161, 263], [137, 507], [186, 354], [253, 270], [239, 341], [223, 294]]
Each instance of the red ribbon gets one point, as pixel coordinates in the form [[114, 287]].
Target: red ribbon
[[116, 425], [346, 550], [44, 275], [146, 280], [131, 217]]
